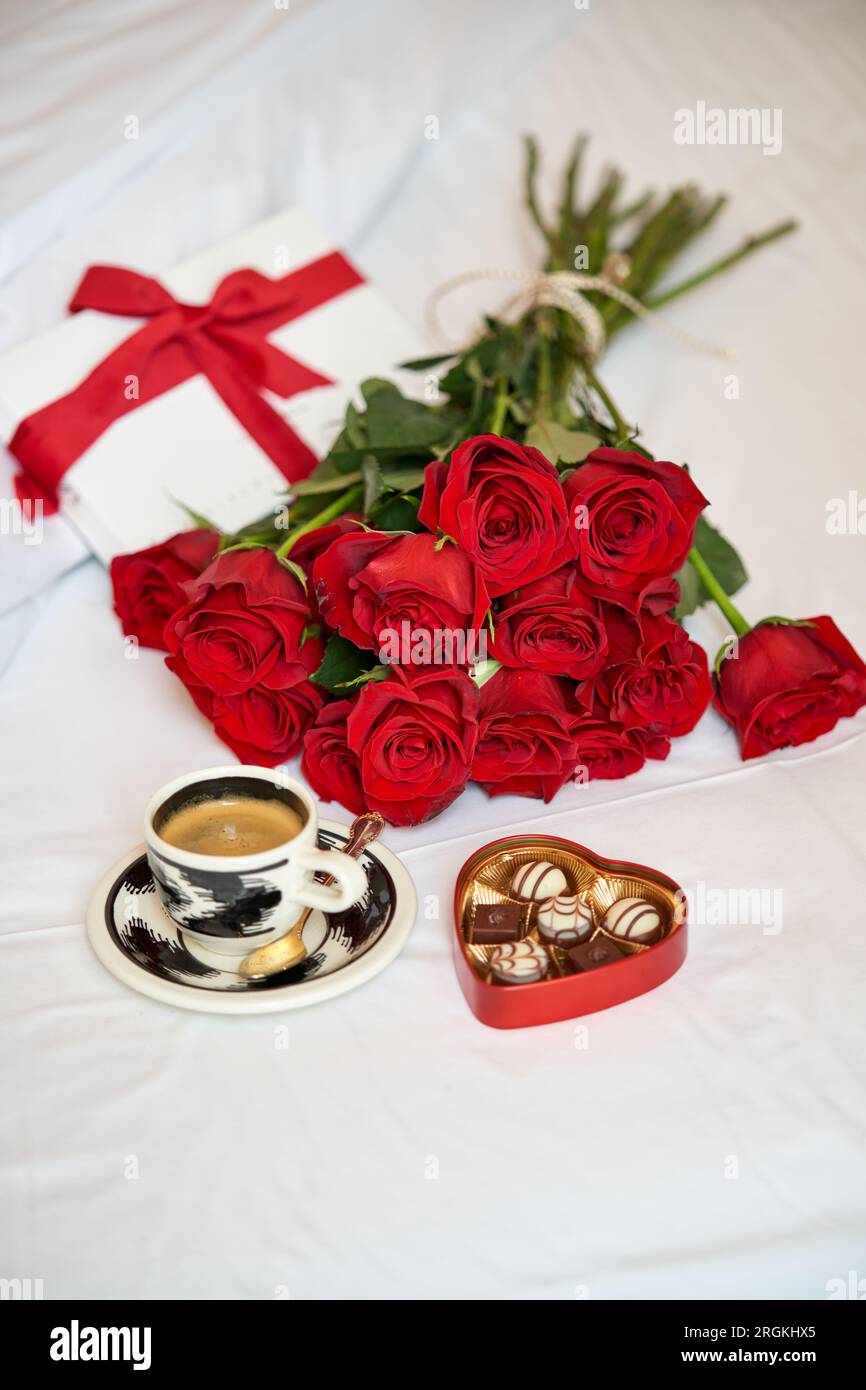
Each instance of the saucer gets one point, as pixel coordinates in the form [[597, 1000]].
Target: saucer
[[138, 942]]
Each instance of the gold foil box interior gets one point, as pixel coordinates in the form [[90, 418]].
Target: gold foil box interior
[[489, 877]]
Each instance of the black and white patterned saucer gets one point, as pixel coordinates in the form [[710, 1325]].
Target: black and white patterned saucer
[[139, 943]]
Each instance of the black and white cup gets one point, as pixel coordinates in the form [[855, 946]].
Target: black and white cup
[[231, 904]]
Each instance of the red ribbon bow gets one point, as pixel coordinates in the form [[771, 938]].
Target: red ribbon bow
[[226, 340]]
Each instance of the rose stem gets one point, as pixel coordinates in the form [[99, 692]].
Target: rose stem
[[752, 243], [622, 428], [530, 172], [717, 593], [344, 503], [500, 405], [544, 379]]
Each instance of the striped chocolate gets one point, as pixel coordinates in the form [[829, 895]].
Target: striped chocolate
[[538, 880], [634, 919]]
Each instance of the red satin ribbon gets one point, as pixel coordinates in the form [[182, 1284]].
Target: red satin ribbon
[[225, 340]]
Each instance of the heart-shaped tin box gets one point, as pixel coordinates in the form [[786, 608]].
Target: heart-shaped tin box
[[564, 992]]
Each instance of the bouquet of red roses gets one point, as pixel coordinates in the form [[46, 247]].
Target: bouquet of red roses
[[488, 585]]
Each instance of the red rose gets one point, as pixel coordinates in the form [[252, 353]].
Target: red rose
[[606, 751], [242, 626], [632, 523], [504, 505], [262, 725], [368, 585], [551, 625], [267, 726], [329, 765], [414, 736], [307, 548], [659, 679], [525, 736], [788, 684], [148, 585]]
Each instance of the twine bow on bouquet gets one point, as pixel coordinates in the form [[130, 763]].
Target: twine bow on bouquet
[[488, 584], [568, 290]]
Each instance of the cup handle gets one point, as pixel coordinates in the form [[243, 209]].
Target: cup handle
[[348, 887]]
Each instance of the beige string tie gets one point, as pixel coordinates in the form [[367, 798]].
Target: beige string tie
[[567, 289]]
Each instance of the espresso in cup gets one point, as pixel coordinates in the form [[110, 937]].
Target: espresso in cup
[[235, 857], [231, 825]]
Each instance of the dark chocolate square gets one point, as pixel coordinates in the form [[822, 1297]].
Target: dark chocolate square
[[593, 954], [497, 922]]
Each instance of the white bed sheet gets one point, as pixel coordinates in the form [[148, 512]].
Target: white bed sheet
[[750, 1061]]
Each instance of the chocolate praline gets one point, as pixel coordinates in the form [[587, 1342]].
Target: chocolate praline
[[497, 922], [594, 954]]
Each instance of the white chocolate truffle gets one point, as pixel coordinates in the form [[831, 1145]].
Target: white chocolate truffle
[[518, 962], [565, 920], [538, 880], [634, 919], [524, 947]]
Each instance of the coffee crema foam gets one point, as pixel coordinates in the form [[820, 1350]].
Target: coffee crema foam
[[231, 825]]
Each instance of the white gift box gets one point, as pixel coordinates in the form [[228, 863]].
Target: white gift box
[[186, 446]]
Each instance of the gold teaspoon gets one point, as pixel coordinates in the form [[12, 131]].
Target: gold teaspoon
[[290, 949]]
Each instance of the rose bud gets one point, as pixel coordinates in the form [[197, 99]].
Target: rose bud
[[241, 627], [369, 585], [632, 525], [551, 625], [526, 734], [148, 584], [784, 684], [504, 505]]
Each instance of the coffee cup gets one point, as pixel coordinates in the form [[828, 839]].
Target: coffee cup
[[228, 902]]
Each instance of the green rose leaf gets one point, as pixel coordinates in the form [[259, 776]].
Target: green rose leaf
[[354, 427], [200, 522], [343, 665], [421, 364], [375, 673], [690, 591], [319, 482], [403, 479], [392, 420], [560, 445], [373, 484], [396, 513]]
